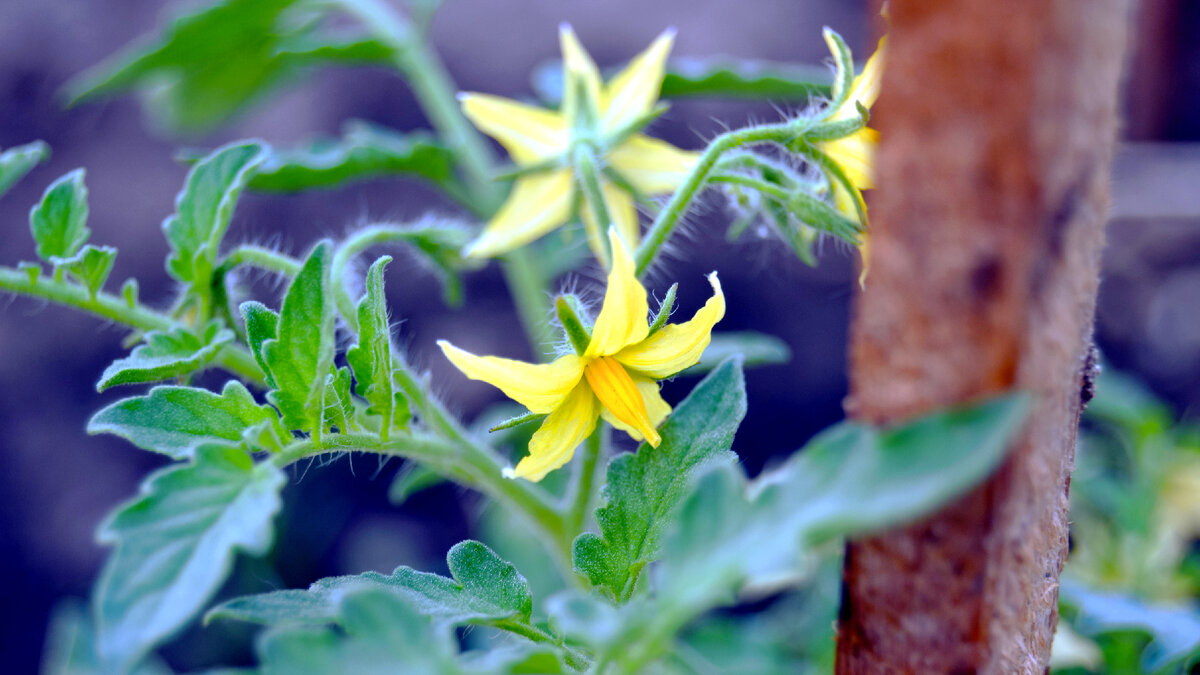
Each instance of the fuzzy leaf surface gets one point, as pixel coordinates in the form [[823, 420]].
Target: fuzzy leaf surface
[[177, 420], [205, 206], [644, 490], [262, 324], [175, 543], [18, 161], [167, 354], [484, 590], [59, 222], [371, 358], [301, 357], [90, 266]]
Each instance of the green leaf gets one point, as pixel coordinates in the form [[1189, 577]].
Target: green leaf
[[1174, 629], [719, 77], [167, 354], [71, 645], [644, 489], [262, 324], [18, 161], [338, 405], [380, 634], [177, 420], [204, 207], [59, 222], [411, 479], [301, 357], [174, 546], [756, 349], [364, 151], [371, 358], [484, 590], [90, 266], [212, 62]]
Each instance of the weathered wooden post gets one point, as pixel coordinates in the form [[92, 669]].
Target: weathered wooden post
[[998, 122]]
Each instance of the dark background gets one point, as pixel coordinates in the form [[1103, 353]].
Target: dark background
[[57, 483]]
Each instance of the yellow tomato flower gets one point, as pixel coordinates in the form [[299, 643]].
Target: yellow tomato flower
[[603, 118], [856, 153], [614, 378]]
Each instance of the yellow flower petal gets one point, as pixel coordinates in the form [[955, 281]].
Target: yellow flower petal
[[539, 387], [632, 93], [624, 216], [656, 408], [856, 155], [529, 134], [622, 319], [676, 346], [651, 165], [621, 398], [537, 204], [578, 66], [554, 443]]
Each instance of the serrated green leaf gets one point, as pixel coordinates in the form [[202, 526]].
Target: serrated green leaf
[[301, 357], [380, 634], [718, 77], [371, 358], [210, 63], [338, 405], [18, 161], [262, 324], [59, 222], [167, 354], [644, 489], [177, 420], [756, 349], [484, 590], [204, 207], [90, 266], [364, 151], [1174, 629], [174, 545]]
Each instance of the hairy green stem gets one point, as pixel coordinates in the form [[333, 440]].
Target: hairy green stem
[[118, 309], [262, 258]]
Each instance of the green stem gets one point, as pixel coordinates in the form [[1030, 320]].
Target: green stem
[[528, 290], [262, 258], [582, 494], [135, 315], [669, 217]]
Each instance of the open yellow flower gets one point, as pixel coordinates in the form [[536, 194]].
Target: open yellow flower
[[614, 378], [856, 153], [601, 119]]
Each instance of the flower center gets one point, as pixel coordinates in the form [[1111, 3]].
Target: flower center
[[617, 392]]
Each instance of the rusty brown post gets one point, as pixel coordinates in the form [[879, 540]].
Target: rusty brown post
[[998, 122]]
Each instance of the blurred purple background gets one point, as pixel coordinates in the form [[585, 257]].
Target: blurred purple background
[[56, 483]]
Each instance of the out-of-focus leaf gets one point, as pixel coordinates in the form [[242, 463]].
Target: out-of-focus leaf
[[644, 490], [756, 349], [364, 151], [18, 161], [717, 77], [210, 63], [484, 590], [167, 354], [301, 358], [411, 479], [90, 266], [1174, 629], [174, 546], [71, 645], [177, 420], [59, 222]]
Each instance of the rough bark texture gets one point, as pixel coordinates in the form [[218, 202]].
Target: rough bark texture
[[997, 122]]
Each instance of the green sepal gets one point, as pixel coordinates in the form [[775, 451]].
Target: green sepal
[[59, 222], [518, 420], [643, 490], [371, 358], [835, 173], [577, 332], [754, 348], [829, 131], [300, 358], [90, 266], [177, 420], [484, 589], [174, 546], [664, 312], [204, 208], [843, 81], [262, 324], [167, 354], [18, 161]]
